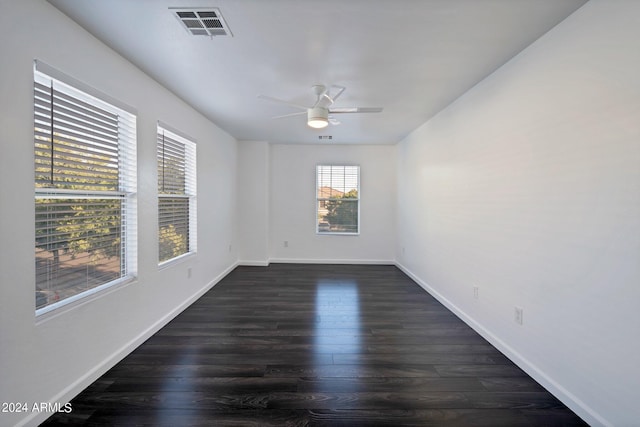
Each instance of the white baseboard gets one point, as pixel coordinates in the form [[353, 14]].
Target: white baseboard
[[568, 398], [249, 263], [564, 395], [89, 377], [331, 261]]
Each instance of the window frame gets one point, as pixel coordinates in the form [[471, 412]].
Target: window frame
[[64, 86], [189, 193], [318, 199]]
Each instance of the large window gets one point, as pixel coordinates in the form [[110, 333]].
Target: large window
[[85, 183], [176, 195], [337, 199]]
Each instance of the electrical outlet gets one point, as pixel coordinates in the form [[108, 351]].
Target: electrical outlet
[[230, 248], [476, 292], [518, 315], [189, 273], [286, 243]]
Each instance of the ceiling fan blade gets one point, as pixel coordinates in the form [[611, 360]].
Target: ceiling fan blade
[[332, 98], [290, 115], [280, 101], [321, 94], [342, 110], [333, 121]]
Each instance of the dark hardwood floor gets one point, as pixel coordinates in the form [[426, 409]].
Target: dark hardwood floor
[[319, 345]]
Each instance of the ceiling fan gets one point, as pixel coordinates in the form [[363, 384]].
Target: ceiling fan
[[320, 114]]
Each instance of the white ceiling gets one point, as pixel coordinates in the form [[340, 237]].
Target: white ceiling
[[410, 57]]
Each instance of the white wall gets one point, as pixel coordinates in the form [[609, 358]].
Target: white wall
[[253, 202], [51, 360], [529, 188], [292, 212]]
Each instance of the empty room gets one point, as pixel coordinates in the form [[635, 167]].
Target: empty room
[[338, 213]]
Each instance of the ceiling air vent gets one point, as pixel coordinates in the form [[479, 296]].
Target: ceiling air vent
[[325, 137], [202, 22]]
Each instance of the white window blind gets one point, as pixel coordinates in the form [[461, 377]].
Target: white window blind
[[85, 182], [337, 199], [177, 222]]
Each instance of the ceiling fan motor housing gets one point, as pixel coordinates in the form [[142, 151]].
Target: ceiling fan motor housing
[[318, 117]]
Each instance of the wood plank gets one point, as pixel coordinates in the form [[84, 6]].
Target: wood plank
[[298, 345]]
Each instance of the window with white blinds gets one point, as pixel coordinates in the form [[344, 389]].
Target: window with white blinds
[[85, 183], [337, 199], [176, 195]]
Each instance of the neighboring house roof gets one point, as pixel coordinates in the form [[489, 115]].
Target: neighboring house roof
[[328, 192]]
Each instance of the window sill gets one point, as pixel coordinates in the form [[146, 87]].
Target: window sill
[[335, 233], [177, 260], [49, 312]]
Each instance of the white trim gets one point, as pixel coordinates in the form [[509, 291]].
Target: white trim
[[249, 263], [190, 186], [54, 310], [45, 76], [78, 85], [335, 233], [175, 131], [359, 225], [63, 193], [176, 260], [573, 402], [330, 261], [100, 369]]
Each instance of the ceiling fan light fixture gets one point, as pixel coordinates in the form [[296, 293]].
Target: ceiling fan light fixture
[[317, 117]]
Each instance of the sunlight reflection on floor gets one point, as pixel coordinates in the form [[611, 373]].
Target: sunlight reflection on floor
[[338, 325]]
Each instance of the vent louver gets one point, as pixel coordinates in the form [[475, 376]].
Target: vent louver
[[202, 22]]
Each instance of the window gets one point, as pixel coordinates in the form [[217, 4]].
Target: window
[[337, 199], [176, 195], [85, 181]]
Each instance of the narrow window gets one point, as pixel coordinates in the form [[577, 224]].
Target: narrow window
[[176, 195], [85, 183], [337, 199]]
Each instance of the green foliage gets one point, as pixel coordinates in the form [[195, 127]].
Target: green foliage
[[172, 243], [351, 194], [342, 212], [76, 226]]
